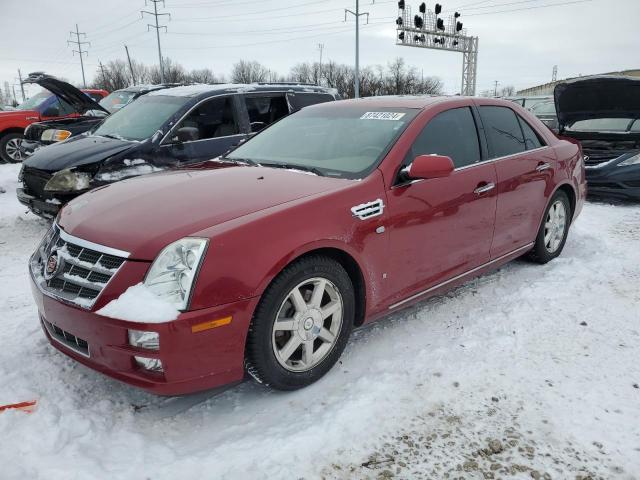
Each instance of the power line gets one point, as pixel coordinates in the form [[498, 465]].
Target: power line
[[529, 8], [80, 52], [157, 27]]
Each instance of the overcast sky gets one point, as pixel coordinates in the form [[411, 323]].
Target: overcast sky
[[518, 47]]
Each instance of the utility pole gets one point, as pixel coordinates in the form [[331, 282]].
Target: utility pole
[[357, 16], [157, 27], [80, 52], [104, 78], [15, 100], [21, 85], [133, 77], [495, 88], [319, 78]]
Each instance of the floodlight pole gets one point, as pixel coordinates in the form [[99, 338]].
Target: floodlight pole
[[357, 14]]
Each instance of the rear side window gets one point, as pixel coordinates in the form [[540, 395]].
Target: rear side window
[[503, 131], [531, 138], [452, 133]]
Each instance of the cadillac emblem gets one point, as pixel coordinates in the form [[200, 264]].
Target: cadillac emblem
[[53, 266]]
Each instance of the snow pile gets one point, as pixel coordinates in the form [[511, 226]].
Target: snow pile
[[139, 304]]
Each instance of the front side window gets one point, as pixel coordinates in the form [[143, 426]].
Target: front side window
[[451, 133], [142, 118], [263, 110], [213, 118], [531, 138], [347, 142], [503, 131]]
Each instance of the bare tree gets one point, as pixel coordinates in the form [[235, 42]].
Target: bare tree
[[204, 75], [507, 91], [249, 71]]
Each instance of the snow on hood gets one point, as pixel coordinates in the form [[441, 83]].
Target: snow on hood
[[603, 96], [139, 304]]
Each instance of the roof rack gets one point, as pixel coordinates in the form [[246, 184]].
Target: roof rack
[[288, 83]]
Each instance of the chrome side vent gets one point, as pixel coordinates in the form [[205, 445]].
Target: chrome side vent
[[368, 210]]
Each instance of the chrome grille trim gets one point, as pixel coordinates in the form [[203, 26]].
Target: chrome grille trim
[[84, 268]]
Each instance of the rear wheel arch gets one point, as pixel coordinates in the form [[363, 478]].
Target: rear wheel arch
[[571, 194]]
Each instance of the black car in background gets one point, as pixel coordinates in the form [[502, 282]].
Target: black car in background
[[603, 114], [44, 133], [163, 129], [546, 112]]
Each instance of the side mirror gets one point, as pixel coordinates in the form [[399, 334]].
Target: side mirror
[[187, 134], [431, 166], [51, 112]]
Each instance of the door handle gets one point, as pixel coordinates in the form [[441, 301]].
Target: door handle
[[487, 187], [543, 166]]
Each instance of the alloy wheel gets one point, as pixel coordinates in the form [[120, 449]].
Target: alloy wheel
[[554, 226], [307, 324], [13, 150]]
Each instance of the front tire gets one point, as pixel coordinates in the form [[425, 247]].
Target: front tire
[[553, 231], [302, 324], [10, 151]]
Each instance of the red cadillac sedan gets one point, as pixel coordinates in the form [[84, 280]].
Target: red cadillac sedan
[[261, 262]]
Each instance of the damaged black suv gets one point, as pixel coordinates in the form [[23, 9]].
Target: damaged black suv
[[164, 129], [603, 114]]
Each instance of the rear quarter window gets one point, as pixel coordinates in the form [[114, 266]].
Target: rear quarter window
[[531, 138]]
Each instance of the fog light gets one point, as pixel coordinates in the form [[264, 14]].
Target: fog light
[[151, 364], [148, 340]]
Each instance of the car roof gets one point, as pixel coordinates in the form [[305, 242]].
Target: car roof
[[395, 101], [204, 90]]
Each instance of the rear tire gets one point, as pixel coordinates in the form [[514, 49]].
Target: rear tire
[[553, 231], [10, 148], [302, 324]]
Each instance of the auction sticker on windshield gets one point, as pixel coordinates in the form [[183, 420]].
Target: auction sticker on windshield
[[382, 116]]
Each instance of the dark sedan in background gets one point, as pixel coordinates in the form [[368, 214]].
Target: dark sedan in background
[[163, 129], [603, 114]]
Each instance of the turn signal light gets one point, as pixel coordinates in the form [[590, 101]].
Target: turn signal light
[[200, 327], [54, 135]]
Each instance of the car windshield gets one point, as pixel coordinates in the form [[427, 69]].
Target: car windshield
[[602, 124], [343, 141], [142, 118], [33, 102], [116, 100], [547, 108], [531, 102]]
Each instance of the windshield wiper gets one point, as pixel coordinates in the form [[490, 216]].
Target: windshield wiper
[[246, 161], [293, 166]]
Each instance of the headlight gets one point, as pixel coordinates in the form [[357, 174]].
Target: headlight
[[68, 180], [174, 270], [635, 160], [53, 135]]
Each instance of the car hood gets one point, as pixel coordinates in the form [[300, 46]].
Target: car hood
[[67, 92], [603, 96], [142, 215], [77, 151]]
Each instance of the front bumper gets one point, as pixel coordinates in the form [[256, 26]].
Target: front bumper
[[614, 181], [43, 208], [191, 361]]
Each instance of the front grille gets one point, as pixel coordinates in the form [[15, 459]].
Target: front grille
[[63, 267], [69, 340]]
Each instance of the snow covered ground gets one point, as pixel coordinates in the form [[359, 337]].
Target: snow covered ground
[[529, 372]]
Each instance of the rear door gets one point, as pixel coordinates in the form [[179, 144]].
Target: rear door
[[524, 167], [442, 227], [217, 122], [264, 108], [298, 100]]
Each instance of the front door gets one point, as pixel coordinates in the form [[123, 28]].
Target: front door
[[215, 127], [442, 227]]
